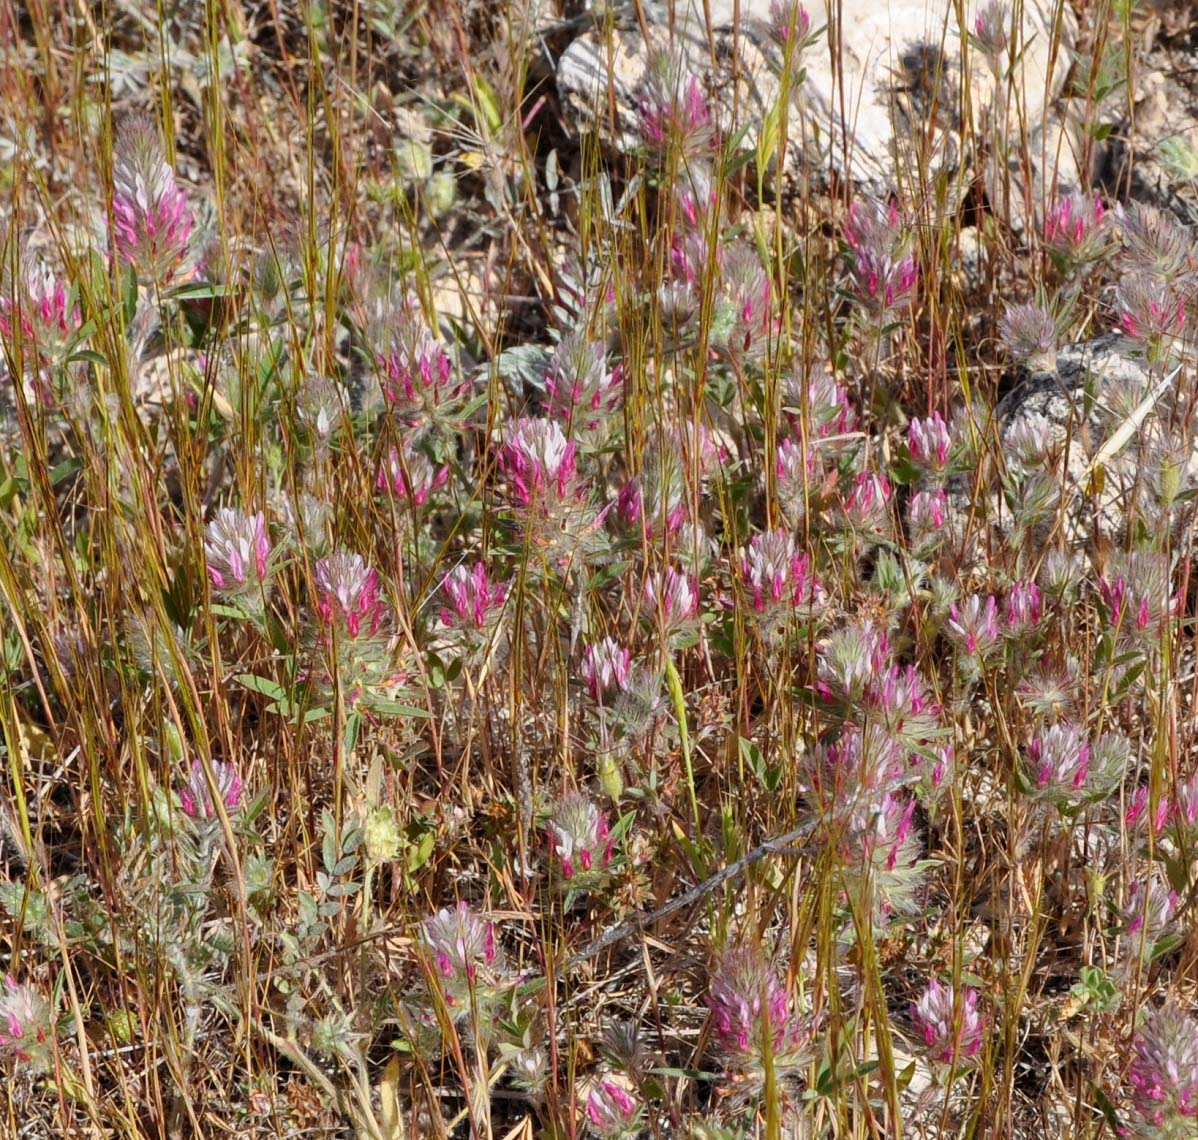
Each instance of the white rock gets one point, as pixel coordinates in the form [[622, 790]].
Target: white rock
[[885, 110]]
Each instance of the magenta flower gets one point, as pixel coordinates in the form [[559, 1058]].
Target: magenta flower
[[951, 1030], [473, 601], [1150, 310], [674, 113], [991, 29], [466, 960], [581, 392], [26, 1024], [672, 600], [539, 462], [884, 271], [750, 1006], [38, 322], [348, 594], [411, 475], [579, 839], [850, 659], [152, 221], [1065, 768], [973, 625], [1024, 608], [612, 1111], [777, 575], [1074, 229], [606, 667], [929, 442], [237, 553], [926, 515], [865, 505], [195, 797], [415, 370], [1164, 1075], [790, 23], [1148, 912]]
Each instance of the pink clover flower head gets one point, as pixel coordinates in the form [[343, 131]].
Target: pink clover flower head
[[1164, 1074], [349, 594], [991, 28], [884, 271], [747, 1000], [1150, 309], [1148, 911], [473, 601], [26, 1023], [790, 23], [195, 797], [38, 321], [1028, 332], [1073, 228], [899, 698], [674, 112], [411, 475], [866, 503], [415, 370], [1024, 608], [612, 1111], [850, 659], [152, 221], [579, 838], [950, 1028], [926, 514], [973, 625], [778, 575], [1059, 764], [461, 946], [929, 442], [581, 392], [538, 461], [672, 599], [237, 551], [606, 667]]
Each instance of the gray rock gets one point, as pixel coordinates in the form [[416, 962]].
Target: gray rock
[[1100, 445]]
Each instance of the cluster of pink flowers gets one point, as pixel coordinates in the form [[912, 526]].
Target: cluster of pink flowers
[[1075, 230], [539, 463], [38, 322], [1179, 811], [672, 601], [410, 474], [929, 442], [237, 553], [950, 1028], [884, 270], [675, 116], [468, 963], [349, 596], [1164, 1075], [415, 370], [778, 577], [581, 391], [1065, 768], [195, 797], [473, 600], [579, 839], [26, 1024], [152, 221], [973, 625], [606, 668], [747, 1003], [612, 1111], [1150, 310]]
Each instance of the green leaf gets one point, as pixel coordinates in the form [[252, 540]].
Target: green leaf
[[263, 685]]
